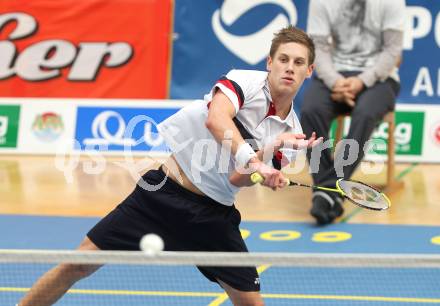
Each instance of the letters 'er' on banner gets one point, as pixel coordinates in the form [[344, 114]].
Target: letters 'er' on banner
[[85, 49]]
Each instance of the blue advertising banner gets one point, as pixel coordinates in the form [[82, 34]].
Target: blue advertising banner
[[212, 37], [120, 128], [419, 72]]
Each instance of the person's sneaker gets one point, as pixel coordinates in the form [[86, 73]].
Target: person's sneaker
[[321, 208], [337, 210], [325, 207]]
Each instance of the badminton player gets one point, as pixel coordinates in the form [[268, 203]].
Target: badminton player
[[210, 161]]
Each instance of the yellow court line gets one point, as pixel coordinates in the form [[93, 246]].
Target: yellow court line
[[218, 301], [262, 268], [13, 289], [125, 292], [145, 293], [352, 298], [223, 296]]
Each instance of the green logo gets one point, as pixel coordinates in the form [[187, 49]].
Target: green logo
[[9, 118], [408, 134]]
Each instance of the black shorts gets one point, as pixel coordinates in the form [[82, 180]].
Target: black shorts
[[185, 221]]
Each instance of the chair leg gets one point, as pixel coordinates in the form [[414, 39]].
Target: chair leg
[[339, 131], [390, 151], [391, 182]]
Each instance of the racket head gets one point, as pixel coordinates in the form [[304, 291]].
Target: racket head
[[363, 195]]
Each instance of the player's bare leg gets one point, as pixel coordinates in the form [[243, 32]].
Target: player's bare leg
[[242, 298], [55, 283]]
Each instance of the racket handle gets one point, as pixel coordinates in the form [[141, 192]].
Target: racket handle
[[258, 178]]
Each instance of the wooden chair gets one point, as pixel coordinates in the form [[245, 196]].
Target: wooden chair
[[391, 182]]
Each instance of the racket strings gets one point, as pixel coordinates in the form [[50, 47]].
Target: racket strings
[[363, 195]]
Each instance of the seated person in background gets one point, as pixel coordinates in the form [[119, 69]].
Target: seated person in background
[[358, 45]]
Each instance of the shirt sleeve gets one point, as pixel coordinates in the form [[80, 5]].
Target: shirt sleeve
[[394, 15], [387, 59], [393, 25], [240, 85], [325, 69], [319, 28], [318, 21]]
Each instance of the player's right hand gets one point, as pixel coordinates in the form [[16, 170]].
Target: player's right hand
[[273, 178]]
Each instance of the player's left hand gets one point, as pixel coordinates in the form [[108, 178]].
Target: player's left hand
[[297, 141]]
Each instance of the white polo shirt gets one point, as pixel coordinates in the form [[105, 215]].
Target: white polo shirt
[[200, 156]]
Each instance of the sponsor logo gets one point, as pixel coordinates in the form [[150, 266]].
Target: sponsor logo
[[9, 118], [102, 135], [435, 133], [3, 127], [243, 46], [120, 128], [44, 59], [408, 133], [48, 126]]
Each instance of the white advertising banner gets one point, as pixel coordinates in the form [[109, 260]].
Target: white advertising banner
[[46, 126], [89, 126]]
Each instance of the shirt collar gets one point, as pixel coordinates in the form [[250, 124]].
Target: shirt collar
[[271, 110]]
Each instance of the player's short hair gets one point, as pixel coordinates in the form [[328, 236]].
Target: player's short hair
[[296, 35]]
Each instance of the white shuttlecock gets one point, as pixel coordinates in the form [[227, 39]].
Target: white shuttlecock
[[151, 244]]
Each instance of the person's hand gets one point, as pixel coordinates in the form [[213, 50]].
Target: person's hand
[[355, 85], [340, 85], [341, 92], [344, 97], [273, 178], [296, 141]]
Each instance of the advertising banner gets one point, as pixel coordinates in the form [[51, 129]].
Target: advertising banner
[[420, 69], [73, 126], [213, 37], [85, 49], [236, 34], [122, 129], [46, 125], [431, 134], [416, 134], [9, 121]]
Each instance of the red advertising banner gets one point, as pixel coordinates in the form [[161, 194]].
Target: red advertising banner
[[85, 48]]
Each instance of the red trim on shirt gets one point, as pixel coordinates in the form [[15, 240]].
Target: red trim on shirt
[[271, 111], [279, 155], [230, 86], [282, 159]]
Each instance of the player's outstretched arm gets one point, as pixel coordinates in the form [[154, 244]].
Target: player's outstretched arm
[[272, 178]]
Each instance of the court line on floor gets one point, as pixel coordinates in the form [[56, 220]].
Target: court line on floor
[[124, 292], [357, 210], [224, 297], [221, 295]]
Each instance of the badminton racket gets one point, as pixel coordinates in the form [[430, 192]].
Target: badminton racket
[[356, 192]]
